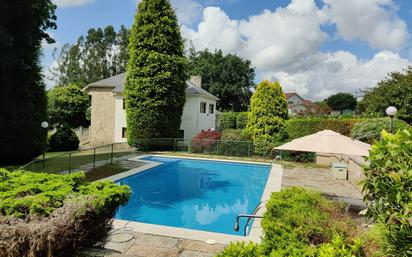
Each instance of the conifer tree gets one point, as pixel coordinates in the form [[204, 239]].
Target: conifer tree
[[23, 26], [266, 119], [155, 86]]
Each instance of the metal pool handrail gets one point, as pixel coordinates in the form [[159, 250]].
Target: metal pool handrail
[[250, 217]]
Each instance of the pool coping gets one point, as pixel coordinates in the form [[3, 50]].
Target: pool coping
[[273, 184]]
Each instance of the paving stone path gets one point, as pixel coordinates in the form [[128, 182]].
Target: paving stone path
[[133, 244]]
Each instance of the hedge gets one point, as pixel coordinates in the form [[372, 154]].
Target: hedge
[[241, 120], [43, 214], [299, 127], [234, 143], [228, 120]]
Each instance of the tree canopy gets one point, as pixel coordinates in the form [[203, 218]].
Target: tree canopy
[[23, 26], [341, 102], [229, 77], [268, 112], [396, 91], [68, 105], [156, 73], [100, 54]]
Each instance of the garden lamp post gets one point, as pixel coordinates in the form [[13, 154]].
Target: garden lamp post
[[391, 112], [44, 125]]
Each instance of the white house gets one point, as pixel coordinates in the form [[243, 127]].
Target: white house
[[108, 114], [297, 105]]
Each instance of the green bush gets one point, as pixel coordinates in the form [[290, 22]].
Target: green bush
[[297, 219], [240, 249], [25, 193], [300, 222], [234, 143], [228, 120], [241, 120], [297, 156], [388, 188], [369, 130], [266, 119], [53, 215], [64, 139], [299, 127]]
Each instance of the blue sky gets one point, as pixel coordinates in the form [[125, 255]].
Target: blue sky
[[313, 47]]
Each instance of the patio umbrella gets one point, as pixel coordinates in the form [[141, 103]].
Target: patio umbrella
[[327, 141]]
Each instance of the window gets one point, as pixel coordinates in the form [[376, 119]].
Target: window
[[211, 108], [124, 132], [181, 134], [290, 102], [202, 107], [124, 104]]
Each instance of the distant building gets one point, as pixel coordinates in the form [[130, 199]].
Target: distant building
[[297, 105]]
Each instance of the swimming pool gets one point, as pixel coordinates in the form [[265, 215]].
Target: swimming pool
[[195, 194]]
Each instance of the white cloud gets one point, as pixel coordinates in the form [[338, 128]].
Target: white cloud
[[340, 71], [187, 11], [216, 31], [70, 3], [372, 21], [284, 44]]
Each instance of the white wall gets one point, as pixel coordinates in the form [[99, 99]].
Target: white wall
[[192, 120], [190, 116], [206, 120], [120, 119]]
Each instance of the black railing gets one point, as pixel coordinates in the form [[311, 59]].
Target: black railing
[[85, 159]]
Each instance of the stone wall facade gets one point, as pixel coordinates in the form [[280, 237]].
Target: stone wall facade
[[102, 117]]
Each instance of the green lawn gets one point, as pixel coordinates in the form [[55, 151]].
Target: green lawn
[[58, 162]]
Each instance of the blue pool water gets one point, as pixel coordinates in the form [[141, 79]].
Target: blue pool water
[[194, 194]]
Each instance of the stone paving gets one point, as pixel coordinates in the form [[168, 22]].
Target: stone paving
[[320, 179], [132, 244]]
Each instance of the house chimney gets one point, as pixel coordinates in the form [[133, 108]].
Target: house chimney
[[196, 81]]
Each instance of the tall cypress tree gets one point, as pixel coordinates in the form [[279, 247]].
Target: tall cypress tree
[[155, 87], [23, 26]]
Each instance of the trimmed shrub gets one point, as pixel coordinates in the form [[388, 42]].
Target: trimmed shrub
[[233, 143], [156, 73], [300, 127], [297, 156], [64, 139], [241, 120], [388, 189], [369, 130], [266, 119], [228, 120], [297, 220], [301, 222], [205, 142], [52, 215]]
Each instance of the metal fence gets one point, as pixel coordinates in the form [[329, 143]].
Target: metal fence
[[87, 159], [201, 146]]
